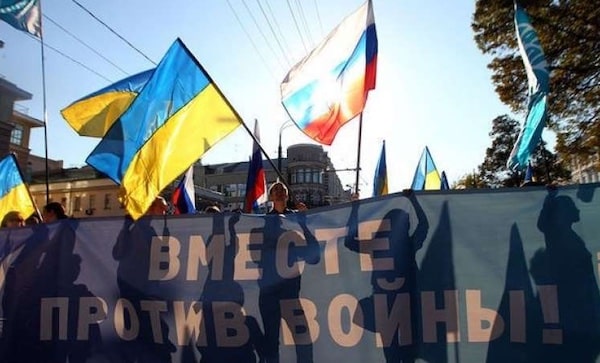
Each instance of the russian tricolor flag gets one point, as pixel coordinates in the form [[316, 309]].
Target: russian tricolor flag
[[256, 184], [329, 87], [184, 196]]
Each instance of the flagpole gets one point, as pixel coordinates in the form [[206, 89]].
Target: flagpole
[[44, 104], [237, 115], [360, 122]]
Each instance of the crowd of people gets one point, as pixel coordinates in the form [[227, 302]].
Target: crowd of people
[[54, 211]]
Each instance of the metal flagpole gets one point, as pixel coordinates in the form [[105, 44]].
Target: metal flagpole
[[45, 109], [360, 121]]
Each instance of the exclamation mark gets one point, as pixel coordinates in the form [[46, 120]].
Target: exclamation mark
[[549, 302], [598, 263]]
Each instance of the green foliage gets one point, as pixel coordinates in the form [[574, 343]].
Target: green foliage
[[493, 172], [569, 32]]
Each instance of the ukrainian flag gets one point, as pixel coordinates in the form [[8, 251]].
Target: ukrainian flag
[[175, 119], [14, 195], [380, 184], [426, 175], [95, 113]]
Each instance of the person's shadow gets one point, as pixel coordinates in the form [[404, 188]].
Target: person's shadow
[[223, 300], [564, 272], [276, 290], [394, 296], [45, 269], [132, 251]]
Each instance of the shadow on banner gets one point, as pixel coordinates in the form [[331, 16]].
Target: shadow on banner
[[393, 307], [567, 288], [40, 279]]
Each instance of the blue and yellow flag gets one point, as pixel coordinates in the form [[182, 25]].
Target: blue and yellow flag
[[14, 195], [178, 116], [444, 183], [426, 175], [380, 182], [95, 113], [538, 76], [24, 15]]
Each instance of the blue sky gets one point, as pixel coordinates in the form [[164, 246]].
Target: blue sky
[[433, 86]]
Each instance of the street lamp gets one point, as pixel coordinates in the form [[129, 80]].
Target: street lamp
[[285, 125]]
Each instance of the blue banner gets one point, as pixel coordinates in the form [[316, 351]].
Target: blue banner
[[508, 275]]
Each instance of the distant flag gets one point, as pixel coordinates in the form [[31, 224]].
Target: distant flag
[[538, 76], [256, 184], [528, 174], [380, 183], [14, 194], [95, 113], [24, 15], [329, 87], [444, 183], [184, 196], [426, 175], [178, 116]]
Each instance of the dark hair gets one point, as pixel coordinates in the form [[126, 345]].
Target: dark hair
[[57, 209], [10, 217], [32, 220]]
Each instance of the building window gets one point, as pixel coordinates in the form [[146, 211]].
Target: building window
[[293, 178], [77, 206], [300, 177], [92, 201], [316, 176], [16, 136], [107, 201]]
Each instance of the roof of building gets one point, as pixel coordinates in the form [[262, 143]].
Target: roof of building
[[239, 167]]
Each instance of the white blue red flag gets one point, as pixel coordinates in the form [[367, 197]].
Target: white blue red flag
[[256, 184], [184, 196], [329, 87]]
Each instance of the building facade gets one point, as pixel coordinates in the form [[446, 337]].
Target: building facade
[[15, 124], [307, 170]]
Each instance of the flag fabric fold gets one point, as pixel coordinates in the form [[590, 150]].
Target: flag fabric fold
[[538, 76], [380, 182], [24, 15], [14, 194], [178, 116], [426, 175], [184, 196], [256, 183], [95, 113], [329, 86]]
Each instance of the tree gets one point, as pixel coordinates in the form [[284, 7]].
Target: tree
[[569, 32], [493, 171], [469, 181]]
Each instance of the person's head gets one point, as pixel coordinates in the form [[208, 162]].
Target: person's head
[[158, 207], [13, 219], [32, 220], [278, 192], [53, 211], [212, 209]]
